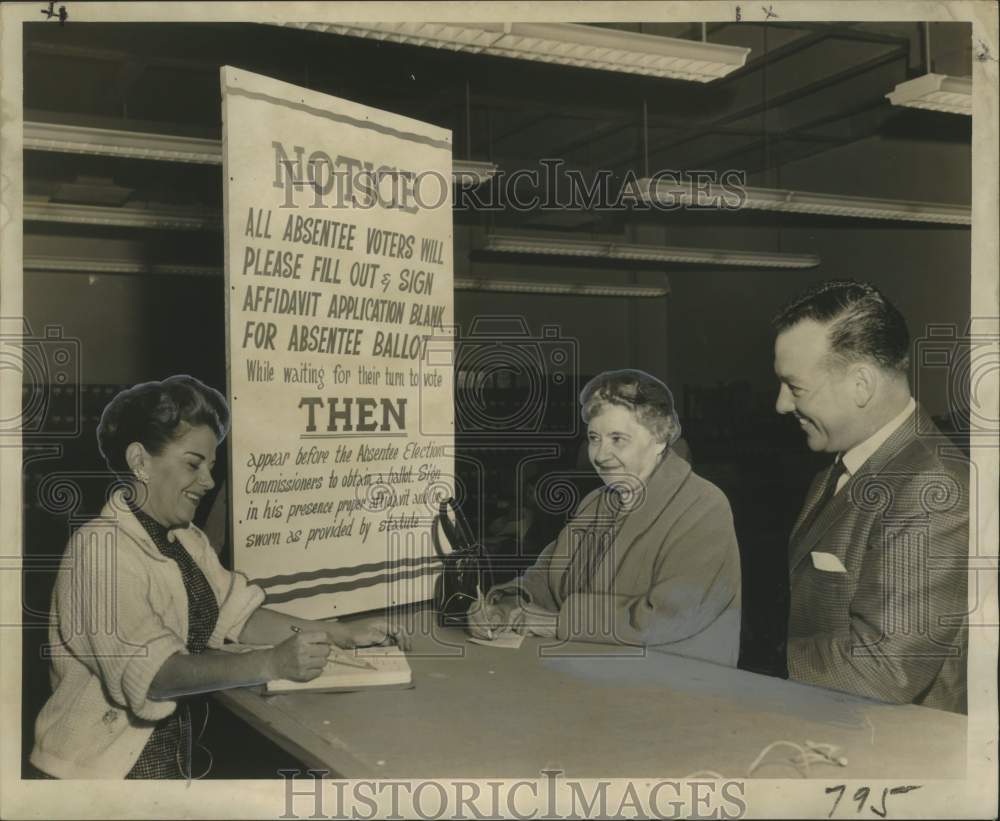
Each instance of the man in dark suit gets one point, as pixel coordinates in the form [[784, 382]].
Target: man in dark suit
[[878, 555]]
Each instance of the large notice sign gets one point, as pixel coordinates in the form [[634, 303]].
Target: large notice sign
[[339, 287]]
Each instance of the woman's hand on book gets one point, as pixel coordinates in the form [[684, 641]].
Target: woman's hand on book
[[366, 633]]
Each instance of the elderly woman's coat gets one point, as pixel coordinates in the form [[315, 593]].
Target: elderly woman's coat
[[670, 577]]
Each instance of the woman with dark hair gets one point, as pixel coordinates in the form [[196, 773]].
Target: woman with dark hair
[[142, 606], [649, 558]]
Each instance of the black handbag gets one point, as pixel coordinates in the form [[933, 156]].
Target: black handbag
[[466, 569]]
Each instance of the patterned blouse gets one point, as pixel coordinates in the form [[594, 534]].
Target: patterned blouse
[[167, 754]]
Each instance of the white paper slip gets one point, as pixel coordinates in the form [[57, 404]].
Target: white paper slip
[[827, 562], [508, 640], [390, 670]]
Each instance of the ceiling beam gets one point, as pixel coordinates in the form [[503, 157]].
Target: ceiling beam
[[780, 100], [50, 49], [774, 55], [793, 135], [843, 31]]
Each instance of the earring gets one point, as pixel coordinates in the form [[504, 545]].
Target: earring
[[141, 475]]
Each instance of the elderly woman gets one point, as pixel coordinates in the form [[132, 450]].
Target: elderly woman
[[650, 558], [142, 606]]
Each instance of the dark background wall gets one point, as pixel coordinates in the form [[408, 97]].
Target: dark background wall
[[709, 339]]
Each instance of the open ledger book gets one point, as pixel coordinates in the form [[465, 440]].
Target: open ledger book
[[390, 670]]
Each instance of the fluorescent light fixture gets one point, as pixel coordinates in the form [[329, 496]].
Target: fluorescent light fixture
[[569, 44], [184, 219], [669, 194], [937, 92], [110, 142], [512, 286], [526, 244], [471, 172], [85, 265]]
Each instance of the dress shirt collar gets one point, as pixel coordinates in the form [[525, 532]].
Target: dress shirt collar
[[861, 453]]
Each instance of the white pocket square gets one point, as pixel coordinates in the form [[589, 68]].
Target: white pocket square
[[827, 562]]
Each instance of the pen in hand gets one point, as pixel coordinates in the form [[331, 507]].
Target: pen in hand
[[341, 658], [482, 604]]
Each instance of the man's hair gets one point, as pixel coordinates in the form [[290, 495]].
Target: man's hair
[[862, 323]]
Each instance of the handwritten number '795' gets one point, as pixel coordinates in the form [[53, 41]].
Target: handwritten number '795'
[[861, 796]]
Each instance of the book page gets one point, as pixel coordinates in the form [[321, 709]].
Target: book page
[[389, 663]]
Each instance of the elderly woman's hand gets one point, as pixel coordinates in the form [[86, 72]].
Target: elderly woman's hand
[[491, 615]]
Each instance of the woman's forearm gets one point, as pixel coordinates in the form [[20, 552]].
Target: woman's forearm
[[299, 654], [185, 674], [267, 626], [271, 627]]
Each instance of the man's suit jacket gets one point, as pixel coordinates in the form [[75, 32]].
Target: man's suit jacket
[[892, 626]]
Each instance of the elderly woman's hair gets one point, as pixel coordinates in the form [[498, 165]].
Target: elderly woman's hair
[[156, 413], [645, 395]]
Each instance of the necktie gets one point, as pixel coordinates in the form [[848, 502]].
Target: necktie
[[837, 470]]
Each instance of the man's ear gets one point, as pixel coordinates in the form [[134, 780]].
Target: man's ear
[[865, 383]]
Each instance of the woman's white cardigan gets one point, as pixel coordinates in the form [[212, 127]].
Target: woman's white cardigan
[[119, 610]]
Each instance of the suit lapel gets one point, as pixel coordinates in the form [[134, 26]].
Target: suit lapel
[[802, 543], [811, 500], [837, 507]]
